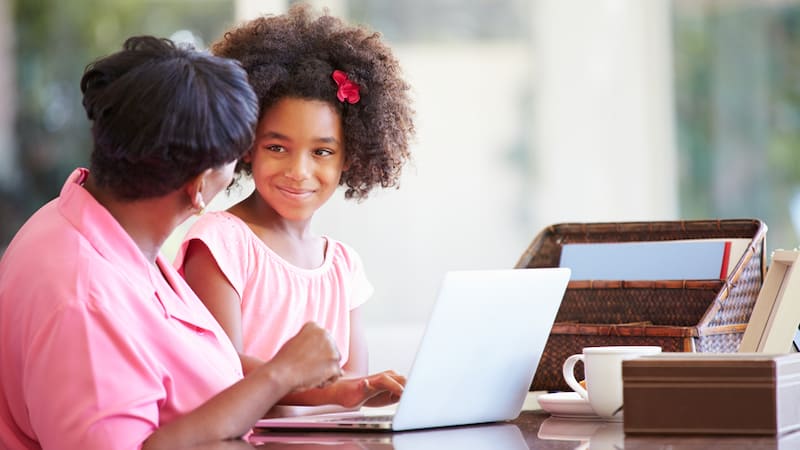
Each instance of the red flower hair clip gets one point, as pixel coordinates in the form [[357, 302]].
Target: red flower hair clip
[[348, 90]]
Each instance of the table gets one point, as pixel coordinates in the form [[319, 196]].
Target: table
[[533, 429]]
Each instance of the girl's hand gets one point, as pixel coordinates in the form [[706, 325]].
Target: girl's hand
[[379, 389]]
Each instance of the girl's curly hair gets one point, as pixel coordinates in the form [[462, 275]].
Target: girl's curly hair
[[295, 54]]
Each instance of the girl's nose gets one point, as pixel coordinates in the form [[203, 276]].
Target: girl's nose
[[299, 167]]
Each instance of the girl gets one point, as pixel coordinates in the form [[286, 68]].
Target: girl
[[334, 111]]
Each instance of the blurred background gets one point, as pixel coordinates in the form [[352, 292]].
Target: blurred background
[[529, 113]]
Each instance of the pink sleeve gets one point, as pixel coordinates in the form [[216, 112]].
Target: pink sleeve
[[362, 289], [228, 243], [97, 391]]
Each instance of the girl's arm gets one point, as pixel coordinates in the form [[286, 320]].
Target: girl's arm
[[202, 273], [355, 388], [357, 364], [380, 389], [204, 276], [308, 359]]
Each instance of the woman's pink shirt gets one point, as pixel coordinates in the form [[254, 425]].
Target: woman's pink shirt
[[97, 348], [276, 297]]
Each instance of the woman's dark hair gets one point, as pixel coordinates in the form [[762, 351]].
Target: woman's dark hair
[[295, 54], [162, 114]]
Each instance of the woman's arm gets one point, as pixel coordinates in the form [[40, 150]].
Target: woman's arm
[[308, 359]]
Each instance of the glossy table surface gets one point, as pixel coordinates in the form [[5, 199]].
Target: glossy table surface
[[533, 429]]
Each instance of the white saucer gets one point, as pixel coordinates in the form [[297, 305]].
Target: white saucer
[[567, 404]]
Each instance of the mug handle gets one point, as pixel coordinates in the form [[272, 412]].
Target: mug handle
[[569, 375]]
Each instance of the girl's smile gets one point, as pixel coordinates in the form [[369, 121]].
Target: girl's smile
[[298, 156], [296, 193]]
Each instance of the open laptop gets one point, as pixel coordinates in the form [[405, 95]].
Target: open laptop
[[493, 436], [476, 359]]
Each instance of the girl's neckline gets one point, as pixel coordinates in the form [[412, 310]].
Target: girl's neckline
[[326, 262]]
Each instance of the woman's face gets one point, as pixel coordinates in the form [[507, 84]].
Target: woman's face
[[298, 156]]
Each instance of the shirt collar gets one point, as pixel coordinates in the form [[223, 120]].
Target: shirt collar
[[98, 226], [108, 238]]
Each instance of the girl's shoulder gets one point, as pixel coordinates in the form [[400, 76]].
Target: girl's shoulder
[[220, 231], [217, 223], [229, 241], [341, 254]]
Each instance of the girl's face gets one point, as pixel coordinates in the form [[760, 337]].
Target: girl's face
[[298, 156]]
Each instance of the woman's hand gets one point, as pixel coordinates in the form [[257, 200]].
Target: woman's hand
[[380, 389], [310, 358]]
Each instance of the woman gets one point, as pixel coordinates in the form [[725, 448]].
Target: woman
[[102, 344]]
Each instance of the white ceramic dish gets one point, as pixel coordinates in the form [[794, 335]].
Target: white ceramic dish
[[567, 404]]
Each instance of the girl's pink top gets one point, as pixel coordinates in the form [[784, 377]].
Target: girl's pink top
[[97, 348], [277, 298]]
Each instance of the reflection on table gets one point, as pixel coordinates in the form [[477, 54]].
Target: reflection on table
[[594, 434], [479, 437], [533, 429]]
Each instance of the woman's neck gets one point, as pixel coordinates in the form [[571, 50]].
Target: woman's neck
[[149, 222]]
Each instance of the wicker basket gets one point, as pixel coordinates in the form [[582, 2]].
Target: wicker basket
[[678, 315]]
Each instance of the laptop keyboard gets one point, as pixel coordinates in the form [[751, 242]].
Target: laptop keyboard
[[361, 418]]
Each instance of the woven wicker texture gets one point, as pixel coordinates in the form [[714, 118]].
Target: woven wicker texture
[[560, 346], [678, 315], [623, 302]]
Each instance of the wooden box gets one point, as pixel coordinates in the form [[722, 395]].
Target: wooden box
[[742, 393], [677, 315]]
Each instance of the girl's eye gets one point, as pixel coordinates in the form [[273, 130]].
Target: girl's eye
[[323, 152], [275, 148]]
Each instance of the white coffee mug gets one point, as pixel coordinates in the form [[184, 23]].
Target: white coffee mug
[[603, 369]]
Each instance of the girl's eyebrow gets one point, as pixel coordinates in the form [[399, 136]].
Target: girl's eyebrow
[[282, 137], [274, 135], [328, 140]]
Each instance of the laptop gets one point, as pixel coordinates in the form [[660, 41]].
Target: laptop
[[493, 436], [476, 359]]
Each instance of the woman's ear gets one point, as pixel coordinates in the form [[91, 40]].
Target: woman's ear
[[247, 158], [199, 201], [194, 190]]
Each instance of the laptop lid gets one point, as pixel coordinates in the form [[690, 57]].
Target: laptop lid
[[481, 347], [479, 352]]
